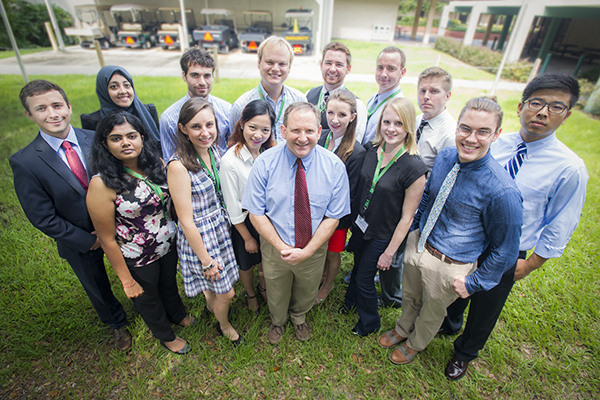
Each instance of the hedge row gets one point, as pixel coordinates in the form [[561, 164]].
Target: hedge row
[[483, 57]]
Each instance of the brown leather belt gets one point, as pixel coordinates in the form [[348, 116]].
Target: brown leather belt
[[440, 256]]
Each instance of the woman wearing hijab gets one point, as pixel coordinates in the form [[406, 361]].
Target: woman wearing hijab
[[115, 91]]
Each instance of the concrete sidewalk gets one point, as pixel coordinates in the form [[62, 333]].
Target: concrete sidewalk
[[158, 62]]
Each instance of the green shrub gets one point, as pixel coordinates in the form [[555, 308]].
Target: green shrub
[[484, 58], [27, 23]]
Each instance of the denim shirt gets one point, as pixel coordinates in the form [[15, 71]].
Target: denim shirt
[[483, 209]]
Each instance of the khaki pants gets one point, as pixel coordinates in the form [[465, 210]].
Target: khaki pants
[[428, 292], [291, 288]]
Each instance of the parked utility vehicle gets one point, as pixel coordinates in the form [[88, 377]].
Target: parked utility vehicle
[[94, 23], [170, 19], [299, 34], [221, 32], [138, 25], [259, 26]]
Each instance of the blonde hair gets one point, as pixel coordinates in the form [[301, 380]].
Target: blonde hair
[[406, 111], [275, 41]]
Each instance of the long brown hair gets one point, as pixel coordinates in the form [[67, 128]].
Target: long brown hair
[[252, 109], [185, 149], [347, 145]]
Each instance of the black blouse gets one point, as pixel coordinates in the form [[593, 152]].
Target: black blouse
[[385, 209], [353, 165]]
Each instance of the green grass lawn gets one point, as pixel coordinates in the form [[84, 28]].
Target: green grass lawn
[[11, 53], [546, 344]]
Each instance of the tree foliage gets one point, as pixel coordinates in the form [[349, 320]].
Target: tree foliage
[[409, 6], [27, 23]]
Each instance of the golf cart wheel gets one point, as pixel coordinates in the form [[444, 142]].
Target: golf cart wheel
[[224, 49], [85, 46], [164, 47], [104, 44], [147, 44]]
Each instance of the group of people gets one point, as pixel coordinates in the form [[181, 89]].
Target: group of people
[[444, 210]]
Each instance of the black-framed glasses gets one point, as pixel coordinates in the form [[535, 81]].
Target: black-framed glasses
[[553, 108], [466, 131]]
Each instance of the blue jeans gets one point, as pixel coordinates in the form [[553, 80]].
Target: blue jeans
[[362, 293]]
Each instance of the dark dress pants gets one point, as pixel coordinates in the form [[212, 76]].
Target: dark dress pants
[[391, 281], [484, 312], [361, 293], [160, 303], [91, 272]]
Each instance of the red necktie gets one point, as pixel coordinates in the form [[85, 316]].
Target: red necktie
[[302, 219], [76, 165]]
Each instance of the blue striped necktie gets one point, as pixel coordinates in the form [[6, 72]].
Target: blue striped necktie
[[513, 165]]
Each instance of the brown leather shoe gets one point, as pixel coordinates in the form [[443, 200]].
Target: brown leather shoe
[[401, 355], [122, 338], [456, 369], [275, 334], [390, 339], [302, 332]]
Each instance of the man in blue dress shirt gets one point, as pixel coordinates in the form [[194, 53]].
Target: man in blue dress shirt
[[293, 271], [482, 210], [552, 180], [198, 67]]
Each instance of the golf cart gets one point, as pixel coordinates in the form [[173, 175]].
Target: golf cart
[[221, 32], [94, 23], [259, 26], [299, 34], [170, 19], [137, 25]]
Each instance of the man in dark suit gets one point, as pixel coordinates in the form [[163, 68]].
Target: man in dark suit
[[51, 179]]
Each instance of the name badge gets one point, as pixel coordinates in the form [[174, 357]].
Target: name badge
[[361, 223]]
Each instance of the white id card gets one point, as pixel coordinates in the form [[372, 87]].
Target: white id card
[[361, 223]]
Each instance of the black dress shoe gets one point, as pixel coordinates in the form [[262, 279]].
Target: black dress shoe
[[444, 332], [456, 369]]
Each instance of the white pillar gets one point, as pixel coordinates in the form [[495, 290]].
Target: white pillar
[[444, 20], [429, 21], [518, 36], [472, 23], [327, 24], [184, 43]]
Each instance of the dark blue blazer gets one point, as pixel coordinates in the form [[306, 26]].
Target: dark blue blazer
[[51, 197]]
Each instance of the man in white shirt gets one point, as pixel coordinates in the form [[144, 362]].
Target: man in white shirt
[[436, 128], [198, 69], [335, 65], [390, 69], [275, 56]]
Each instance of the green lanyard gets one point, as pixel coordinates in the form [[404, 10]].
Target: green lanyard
[[262, 97], [329, 136], [371, 111], [378, 174], [214, 175], [321, 104], [153, 186]]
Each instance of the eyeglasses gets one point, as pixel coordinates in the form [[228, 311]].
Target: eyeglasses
[[466, 131], [553, 108]]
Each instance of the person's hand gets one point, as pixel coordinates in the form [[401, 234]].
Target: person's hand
[[460, 288], [294, 256], [212, 274], [97, 244], [522, 269], [251, 245], [385, 261], [134, 291]]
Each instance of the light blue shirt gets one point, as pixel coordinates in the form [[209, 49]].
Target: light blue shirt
[[56, 144], [288, 96], [270, 188], [552, 181], [373, 120], [169, 118]]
